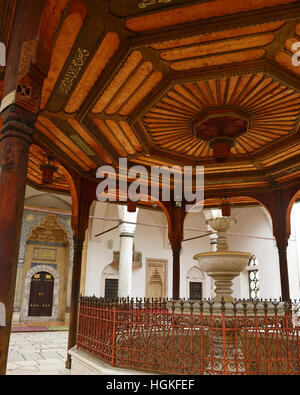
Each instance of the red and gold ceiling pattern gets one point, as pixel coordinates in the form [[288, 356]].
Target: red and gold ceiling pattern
[[133, 78], [37, 158], [274, 109]]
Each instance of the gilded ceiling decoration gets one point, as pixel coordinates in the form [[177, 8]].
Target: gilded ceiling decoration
[[254, 109], [198, 12], [168, 82]]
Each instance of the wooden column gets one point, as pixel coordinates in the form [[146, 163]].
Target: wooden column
[[85, 197], [281, 234], [177, 215], [15, 143], [277, 202], [283, 266], [176, 272], [27, 65], [75, 294]]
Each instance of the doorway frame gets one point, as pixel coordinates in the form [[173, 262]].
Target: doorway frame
[[26, 294]]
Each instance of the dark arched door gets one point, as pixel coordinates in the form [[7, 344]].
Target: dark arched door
[[41, 295]]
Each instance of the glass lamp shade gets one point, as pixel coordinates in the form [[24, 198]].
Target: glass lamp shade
[[48, 173]]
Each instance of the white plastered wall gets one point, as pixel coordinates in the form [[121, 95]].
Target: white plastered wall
[[253, 233], [293, 253]]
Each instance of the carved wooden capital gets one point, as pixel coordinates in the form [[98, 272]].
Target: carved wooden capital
[[282, 245], [29, 90], [176, 253], [281, 235], [176, 244], [16, 129], [30, 78], [78, 243], [15, 142]]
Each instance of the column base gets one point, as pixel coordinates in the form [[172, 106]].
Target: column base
[[68, 364], [86, 364]]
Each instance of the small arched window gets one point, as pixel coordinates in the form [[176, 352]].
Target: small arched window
[[253, 278], [195, 278]]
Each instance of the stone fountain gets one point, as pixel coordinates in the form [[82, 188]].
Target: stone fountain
[[222, 265], [224, 321]]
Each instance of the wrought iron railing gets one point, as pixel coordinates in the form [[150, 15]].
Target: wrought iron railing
[[192, 337]]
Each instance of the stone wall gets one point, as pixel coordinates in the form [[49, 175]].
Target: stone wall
[[55, 234]]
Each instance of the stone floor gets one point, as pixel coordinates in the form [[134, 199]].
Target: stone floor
[[38, 353]]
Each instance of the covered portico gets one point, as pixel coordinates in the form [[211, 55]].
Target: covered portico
[[161, 84]]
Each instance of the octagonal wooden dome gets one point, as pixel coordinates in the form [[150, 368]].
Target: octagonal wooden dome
[[128, 79]]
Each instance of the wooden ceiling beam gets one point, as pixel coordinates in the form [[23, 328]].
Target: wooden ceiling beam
[[104, 80], [96, 134], [216, 24], [57, 154]]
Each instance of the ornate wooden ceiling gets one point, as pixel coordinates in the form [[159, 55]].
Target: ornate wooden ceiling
[[7, 10], [37, 158], [130, 78]]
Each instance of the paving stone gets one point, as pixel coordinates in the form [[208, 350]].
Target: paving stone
[[12, 366], [50, 355], [50, 368], [32, 356], [15, 357], [24, 364], [58, 362], [63, 354], [38, 353], [28, 369]]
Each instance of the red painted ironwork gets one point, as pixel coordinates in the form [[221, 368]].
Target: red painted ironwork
[[192, 337]]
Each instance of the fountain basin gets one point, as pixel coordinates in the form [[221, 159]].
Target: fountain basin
[[220, 224], [223, 267]]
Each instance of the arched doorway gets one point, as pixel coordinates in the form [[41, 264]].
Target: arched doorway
[[195, 283], [46, 266], [41, 295], [31, 297]]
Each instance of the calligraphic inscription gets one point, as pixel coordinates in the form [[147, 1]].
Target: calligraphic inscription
[[127, 8], [81, 144], [87, 43], [44, 254], [73, 71], [147, 3]]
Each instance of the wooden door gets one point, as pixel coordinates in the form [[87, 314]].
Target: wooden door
[[41, 295]]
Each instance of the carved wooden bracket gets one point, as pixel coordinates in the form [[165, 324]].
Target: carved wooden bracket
[[177, 216]]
